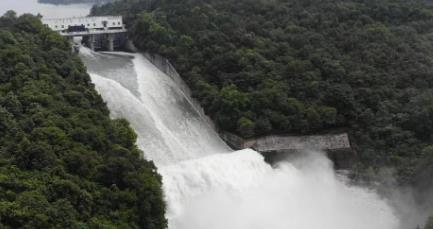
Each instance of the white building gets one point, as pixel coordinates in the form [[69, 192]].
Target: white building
[[89, 23], [97, 33]]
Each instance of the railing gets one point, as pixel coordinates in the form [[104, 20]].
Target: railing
[[92, 32]]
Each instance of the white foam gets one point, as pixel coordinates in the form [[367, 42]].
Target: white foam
[[208, 188], [241, 191]]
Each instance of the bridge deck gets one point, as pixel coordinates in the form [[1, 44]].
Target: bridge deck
[[86, 26], [93, 32]]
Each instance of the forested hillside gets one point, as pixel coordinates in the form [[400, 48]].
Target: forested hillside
[[63, 162], [303, 66]]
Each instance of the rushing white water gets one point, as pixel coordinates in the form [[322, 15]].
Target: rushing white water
[[240, 191], [169, 127], [206, 186]]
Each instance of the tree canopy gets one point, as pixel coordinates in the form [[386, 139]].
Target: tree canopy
[[303, 67], [63, 162]]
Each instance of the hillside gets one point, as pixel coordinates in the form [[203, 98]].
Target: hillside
[[301, 67], [64, 163]]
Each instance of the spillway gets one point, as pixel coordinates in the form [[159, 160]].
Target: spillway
[[207, 185], [169, 126]]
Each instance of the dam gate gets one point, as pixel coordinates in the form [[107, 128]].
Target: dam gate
[[106, 33]]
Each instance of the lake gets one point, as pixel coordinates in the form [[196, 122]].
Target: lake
[[46, 10]]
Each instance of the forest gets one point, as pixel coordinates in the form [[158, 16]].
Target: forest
[[63, 162], [305, 67]]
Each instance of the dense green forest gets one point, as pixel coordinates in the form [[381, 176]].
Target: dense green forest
[[305, 66], [301, 66], [63, 162]]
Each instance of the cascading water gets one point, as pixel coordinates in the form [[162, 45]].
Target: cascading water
[[209, 187], [169, 127]]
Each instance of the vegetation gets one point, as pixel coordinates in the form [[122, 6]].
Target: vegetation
[[303, 66], [63, 162]]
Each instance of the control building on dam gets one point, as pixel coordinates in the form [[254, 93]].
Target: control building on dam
[[106, 33]]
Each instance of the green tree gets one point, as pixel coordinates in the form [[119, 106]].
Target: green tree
[[246, 127], [63, 162]]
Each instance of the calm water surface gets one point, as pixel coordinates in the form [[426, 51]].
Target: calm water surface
[[46, 10]]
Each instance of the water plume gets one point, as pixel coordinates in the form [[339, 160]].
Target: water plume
[[241, 191], [206, 186]]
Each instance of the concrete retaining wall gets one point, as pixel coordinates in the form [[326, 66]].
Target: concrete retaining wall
[[319, 142], [276, 142], [275, 147]]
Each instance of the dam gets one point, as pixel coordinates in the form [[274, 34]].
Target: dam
[[207, 184], [106, 33]]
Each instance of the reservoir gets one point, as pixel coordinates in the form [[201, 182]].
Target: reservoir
[[46, 10]]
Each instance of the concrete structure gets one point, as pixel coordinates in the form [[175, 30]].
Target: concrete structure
[[337, 146], [320, 142], [98, 33]]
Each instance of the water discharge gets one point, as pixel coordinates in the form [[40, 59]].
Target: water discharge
[[209, 187], [169, 127]]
